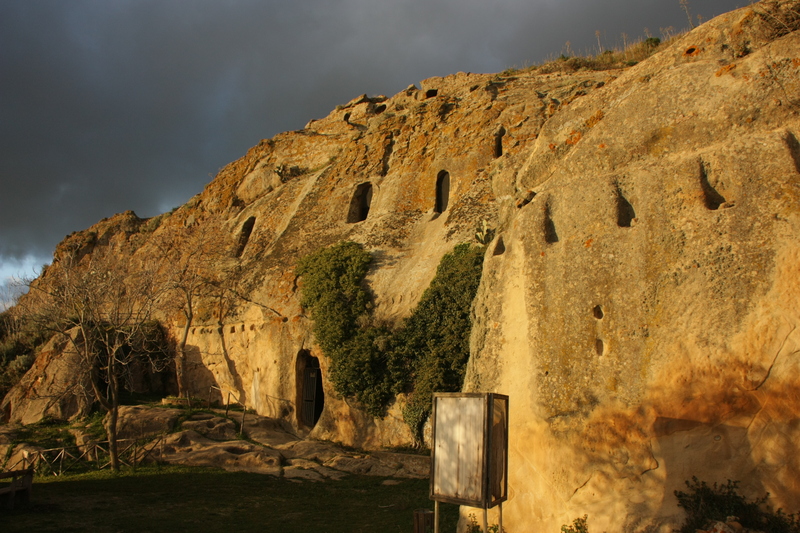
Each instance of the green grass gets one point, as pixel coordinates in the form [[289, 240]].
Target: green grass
[[206, 500]]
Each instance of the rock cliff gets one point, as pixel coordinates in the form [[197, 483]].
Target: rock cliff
[[639, 301]]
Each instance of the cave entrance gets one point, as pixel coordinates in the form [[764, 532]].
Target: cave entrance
[[244, 236], [442, 192], [359, 205], [311, 398]]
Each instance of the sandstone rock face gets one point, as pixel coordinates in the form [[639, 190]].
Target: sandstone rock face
[[137, 421], [639, 299], [643, 316], [52, 387]]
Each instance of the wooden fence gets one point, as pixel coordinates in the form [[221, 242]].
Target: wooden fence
[[58, 461]]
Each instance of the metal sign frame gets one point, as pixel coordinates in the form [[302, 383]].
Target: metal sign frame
[[489, 461]]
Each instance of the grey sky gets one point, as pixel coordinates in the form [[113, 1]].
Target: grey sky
[[109, 105]]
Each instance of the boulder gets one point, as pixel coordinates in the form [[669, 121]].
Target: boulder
[[210, 426], [190, 448], [56, 386], [138, 421]]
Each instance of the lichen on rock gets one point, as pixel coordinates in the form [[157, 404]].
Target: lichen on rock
[[638, 298]]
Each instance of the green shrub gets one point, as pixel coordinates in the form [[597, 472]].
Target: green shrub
[[332, 290], [433, 346], [371, 363], [360, 369], [579, 525], [652, 42], [704, 504], [474, 527]]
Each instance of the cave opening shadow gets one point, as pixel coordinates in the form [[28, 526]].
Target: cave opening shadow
[[310, 395]]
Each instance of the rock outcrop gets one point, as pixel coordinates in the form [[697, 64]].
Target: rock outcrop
[[264, 446], [639, 299], [53, 387], [643, 314]]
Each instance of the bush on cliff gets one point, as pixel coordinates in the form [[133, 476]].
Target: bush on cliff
[[372, 364], [332, 279], [433, 346], [332, 290], [706, 504]]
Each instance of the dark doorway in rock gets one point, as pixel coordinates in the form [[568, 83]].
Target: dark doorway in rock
[[442, 192], [550, 234], [311, 398], [712, 198], [625, 213], [498, 142], [244, 236], [359, 205], [499, 247]]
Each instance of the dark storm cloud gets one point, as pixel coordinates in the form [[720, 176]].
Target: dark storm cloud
[[113, 105]]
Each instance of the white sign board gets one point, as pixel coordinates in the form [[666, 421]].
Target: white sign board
[[470, 450]]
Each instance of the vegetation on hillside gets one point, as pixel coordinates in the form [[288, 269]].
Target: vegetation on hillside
[[568, 61], [373, 363], [18, 342], [706, 504], [103, 310], [607, 60]]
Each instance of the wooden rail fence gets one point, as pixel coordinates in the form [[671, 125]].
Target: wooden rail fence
[[58, 461], [21, 483]]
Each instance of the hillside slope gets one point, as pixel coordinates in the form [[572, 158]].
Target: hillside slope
[[638, 301]]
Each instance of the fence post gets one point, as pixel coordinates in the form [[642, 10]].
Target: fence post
[[423, 521]]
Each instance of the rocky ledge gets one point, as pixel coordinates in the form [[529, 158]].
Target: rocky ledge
[[263, 446]]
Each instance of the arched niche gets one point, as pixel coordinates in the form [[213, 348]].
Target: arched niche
[[711, 197], [625, 212], [498, 141], [360, 203], [244, 235], [442, 192], [310, 398], [549, 227]]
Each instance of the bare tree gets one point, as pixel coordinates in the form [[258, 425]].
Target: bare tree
[[104, 309], [10, 291], [193, 270], [685, 6]]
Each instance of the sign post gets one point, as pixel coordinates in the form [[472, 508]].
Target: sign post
[[469, 458]]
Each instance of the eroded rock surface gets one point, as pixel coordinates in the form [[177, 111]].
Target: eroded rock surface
[[208, 440], [643, 313], [638, 302], [55, 387]]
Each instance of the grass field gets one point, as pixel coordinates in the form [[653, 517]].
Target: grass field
[[178, 499]]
